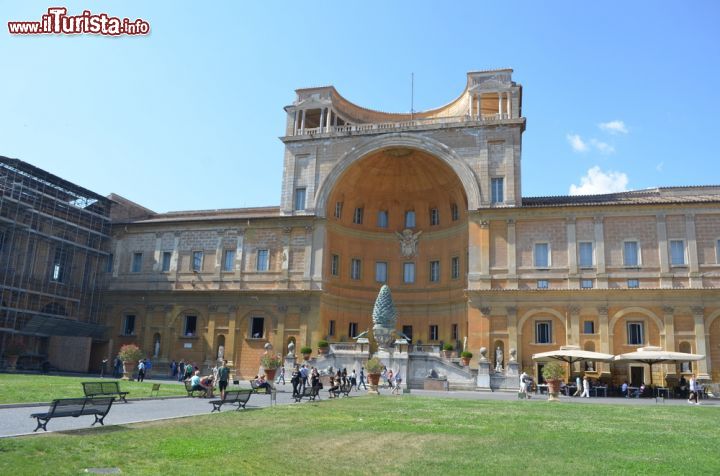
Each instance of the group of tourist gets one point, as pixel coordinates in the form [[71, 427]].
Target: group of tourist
[[144, 367], [182, 370], [219, 377]]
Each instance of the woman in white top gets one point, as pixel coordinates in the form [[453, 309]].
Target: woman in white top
[[586, 388]]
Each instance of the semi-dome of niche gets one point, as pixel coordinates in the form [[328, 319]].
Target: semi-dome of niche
[[397, 180]]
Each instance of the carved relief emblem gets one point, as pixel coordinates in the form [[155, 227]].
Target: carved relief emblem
[[408, 242]]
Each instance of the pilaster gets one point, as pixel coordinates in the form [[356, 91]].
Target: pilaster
[[703, 366], [602, 282]]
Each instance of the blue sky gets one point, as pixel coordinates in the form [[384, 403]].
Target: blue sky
[[617, 95]]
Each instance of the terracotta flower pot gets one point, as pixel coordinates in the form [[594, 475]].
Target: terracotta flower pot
[[447, 353], [374, 379], [128, 369], [323, 350], [270, 374], [465, 361], [553, 389], [306, 356]]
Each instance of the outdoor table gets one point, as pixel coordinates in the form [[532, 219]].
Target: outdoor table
[[597, 390], [541, 388], [662, 392]]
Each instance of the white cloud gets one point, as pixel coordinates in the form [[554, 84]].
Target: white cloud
[[602, 147], [614, 127], [596, 181], [659, 167], [577, 143]]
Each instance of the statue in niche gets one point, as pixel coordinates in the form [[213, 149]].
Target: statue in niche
[[221, 352], [157, 347], [291, 349], [498, 359], [408, 242]]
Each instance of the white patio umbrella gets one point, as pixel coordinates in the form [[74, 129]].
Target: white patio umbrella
[[571, 354], [656, 355]]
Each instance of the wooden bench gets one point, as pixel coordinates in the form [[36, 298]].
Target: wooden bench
[[309, 393], [103, 389], [240, 397], [191, 392], [75, 407], [343, 389]]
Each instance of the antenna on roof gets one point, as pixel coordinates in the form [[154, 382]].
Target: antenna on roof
[[412, 96]]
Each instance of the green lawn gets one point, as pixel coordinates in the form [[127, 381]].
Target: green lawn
[[386, 435], [22, 388]]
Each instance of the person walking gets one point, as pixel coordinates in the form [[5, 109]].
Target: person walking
[[579, 389], [353, 379], [295, 381], [281, 375], [362, 379], [586, 388], [223, 378], [141, 371], [694, 389]]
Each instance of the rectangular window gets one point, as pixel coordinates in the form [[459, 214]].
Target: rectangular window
[[454, 212], [434, 217], [263, 260], [434, 335], [129, 328], [633, 283], [586, 283], [543, 332], [589, 327], [166, 256], [542, 255], [410, 219], [197, 261], [543, 284], [136, 266], [257, 329], [407, 330], [677, 252], [338, 209], [60, 261], [300, 198], [382, 219], [352, 330], [434, 271], [331, 328], [381, 272], [630, 254], [585, 250], [635, 333], [408, 273], [229, 260], [110, 259], [358, 216], [190, 326], [455, 265], [355, 269], [497, 186], [335, 265], [454, 331]]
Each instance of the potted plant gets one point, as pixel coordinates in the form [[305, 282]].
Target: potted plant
[[323, 347], [130, 354], [466, 356], [270, 363], [13, 349], [374, 369], [553, 374], [447, 350], [306, 351]]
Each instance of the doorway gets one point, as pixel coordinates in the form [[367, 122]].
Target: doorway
[[637, 375]]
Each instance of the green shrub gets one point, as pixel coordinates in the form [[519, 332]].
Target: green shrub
[[306, 350], [323, 344], [374, 366], [553, 371], [130, 353], [466, 355], [447, 347]]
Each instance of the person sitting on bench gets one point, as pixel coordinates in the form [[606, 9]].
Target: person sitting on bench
[[260, 382], [208, 384], [195, 381], [334, 386]]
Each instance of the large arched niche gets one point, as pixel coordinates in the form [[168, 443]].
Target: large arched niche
[[324, 205]]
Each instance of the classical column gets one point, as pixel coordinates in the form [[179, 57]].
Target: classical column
[[573, 332], [499, 104], [472, 103], [318, 249], [158, 252], [329, 117], [511, 255], [571, 246], [669, 322], [302, 123], [600, 252], [322, 120], [507, 107], [603, 327], [665, 276], [513, 343], [692, 252], [703, 366], [295, 123]]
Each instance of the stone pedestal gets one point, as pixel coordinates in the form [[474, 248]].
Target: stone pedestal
[[483, 376], [513, 369], [290, 362]]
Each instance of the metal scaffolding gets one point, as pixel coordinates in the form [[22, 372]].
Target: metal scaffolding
[[54, 244]]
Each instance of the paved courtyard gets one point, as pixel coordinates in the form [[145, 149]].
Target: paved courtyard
[[15, 419]]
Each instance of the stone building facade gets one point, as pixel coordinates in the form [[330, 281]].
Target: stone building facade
[[429, 203]]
